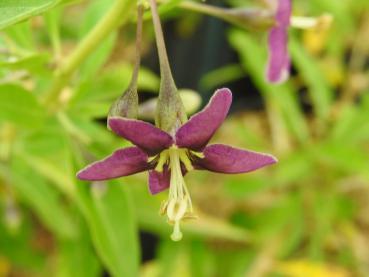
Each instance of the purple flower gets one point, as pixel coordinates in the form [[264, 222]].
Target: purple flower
[[278, 68], [169, 157]]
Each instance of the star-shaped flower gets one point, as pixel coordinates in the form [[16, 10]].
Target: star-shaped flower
[[169, 157], [278, 68]]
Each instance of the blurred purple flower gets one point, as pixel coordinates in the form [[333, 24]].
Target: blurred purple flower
[[278, 68], [168, 157]]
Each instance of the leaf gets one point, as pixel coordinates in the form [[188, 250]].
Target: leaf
[[320, 93], [42, 198], [20, 106], [14, 11], [253, 59], [36, 63], [47, 152], [76, 258], [109, 214], [22, 36], [220, 76], [99, 56]]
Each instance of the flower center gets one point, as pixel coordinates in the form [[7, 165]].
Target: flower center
[[179, 205]]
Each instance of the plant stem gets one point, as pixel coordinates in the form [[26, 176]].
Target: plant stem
[[117, 13], [165, 70], [136, 69], [248, 17]]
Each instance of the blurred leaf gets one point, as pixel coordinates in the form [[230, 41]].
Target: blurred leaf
[[254, 59], [13, 11], [52, 22], [76, 258], [202, 260], [47, 152], [353, 125], [19, 249], [109, 215], [345, 158], [21, 37], [35, 63], [99, 56], [20, 106], [221, 76], [93, 98], [320, 93], [44, 200], [294, 167]]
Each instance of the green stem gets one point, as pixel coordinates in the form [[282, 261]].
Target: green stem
[[248, 17], [111, 20], [202, 8], [165, 70], [140, 11]]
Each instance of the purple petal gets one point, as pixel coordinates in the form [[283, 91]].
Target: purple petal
[[197, 132], [159, 181], [226, 159], [146, 136], [122, 162], [278, 68]]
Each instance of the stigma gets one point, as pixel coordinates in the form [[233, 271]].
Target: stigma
[[178, 206]]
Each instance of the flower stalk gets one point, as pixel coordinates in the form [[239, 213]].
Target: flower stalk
[[170, 110], [249, 18], [127, 104]]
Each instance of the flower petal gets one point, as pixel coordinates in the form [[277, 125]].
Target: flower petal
[[144, 135], [197, 132], [226, 159], [278, 68], [159, 181], [122, 162]]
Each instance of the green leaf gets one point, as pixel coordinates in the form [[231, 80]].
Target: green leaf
[[76, 258], [109, 214], [220, 76], [21, 36], [35, 63], [99, 56], [20, 106], [253, 59], [42, 198], [320, 93], [47, 152], [14, 11]]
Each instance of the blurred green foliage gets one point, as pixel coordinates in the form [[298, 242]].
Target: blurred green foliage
[[305, 216]]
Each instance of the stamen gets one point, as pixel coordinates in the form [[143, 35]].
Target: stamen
[[163, 157], [185, 160], [179, 205], [198, 154]]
